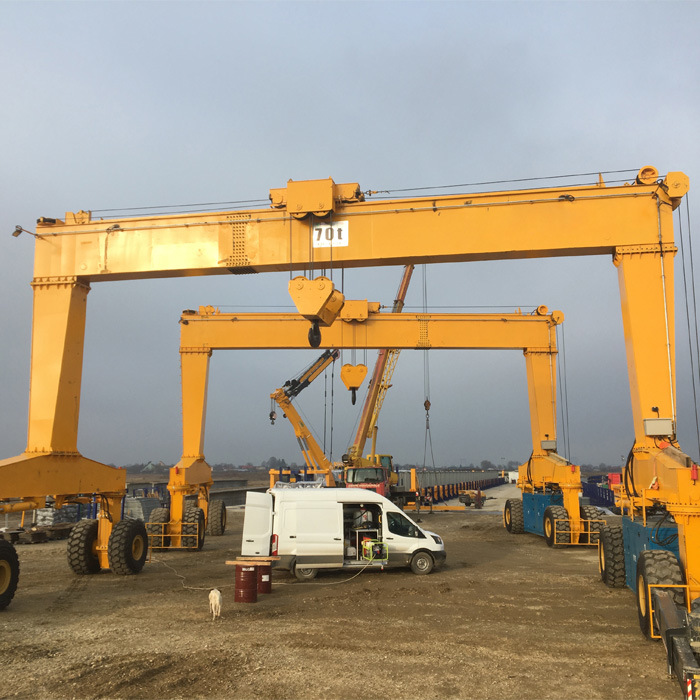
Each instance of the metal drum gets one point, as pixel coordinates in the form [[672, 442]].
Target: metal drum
[[264, 578], [246, 584]]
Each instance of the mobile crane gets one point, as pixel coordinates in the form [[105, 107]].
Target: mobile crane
[[319, 223], [314, 457]]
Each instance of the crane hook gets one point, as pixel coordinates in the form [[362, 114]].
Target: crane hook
[[314, 335]]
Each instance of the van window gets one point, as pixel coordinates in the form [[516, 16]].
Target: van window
[[400, 525]]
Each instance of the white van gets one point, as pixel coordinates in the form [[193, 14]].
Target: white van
[[312, 529]]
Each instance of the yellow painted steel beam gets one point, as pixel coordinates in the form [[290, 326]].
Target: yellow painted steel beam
[[229, 331], [546, 222]]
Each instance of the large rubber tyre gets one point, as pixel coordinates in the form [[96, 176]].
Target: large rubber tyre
[[592, 535], [563, 528], [127, 550], [513, 517], [216, 521], [9, 573], [82, 548], [422, 563], [158, 517], [611, 556], [656, 566], [305, 573], [193, 528]]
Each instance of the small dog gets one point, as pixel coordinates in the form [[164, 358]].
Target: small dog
[[215, 603]]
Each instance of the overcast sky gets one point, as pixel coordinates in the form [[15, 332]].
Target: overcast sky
[[130, 104]]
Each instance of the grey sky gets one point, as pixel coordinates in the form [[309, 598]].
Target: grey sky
[[129, 104]]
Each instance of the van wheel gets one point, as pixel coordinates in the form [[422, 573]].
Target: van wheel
[[422, 563], [305, 574]]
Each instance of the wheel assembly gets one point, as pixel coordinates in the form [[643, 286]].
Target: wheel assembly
[[304, 573], [128, 547], [82, 547], [422, 563], [157, 528], [557, 529], [656, 566], [593, 526], [513, 516], [216, 520], [193, 528], [611, 556], [9, 573]]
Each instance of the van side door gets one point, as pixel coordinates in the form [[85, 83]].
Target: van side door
[[320, 535], [257, 525]]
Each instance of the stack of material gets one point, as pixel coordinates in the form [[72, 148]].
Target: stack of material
[[67, 514], [140, 508]]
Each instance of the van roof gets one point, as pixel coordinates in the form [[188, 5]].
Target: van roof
[[346, 495]]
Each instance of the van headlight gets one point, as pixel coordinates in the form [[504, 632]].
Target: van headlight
[[438, 540]]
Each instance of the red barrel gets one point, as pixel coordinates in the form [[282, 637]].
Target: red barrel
[[264, 578], [246, 584]]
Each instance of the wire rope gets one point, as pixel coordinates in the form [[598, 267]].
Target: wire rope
[[428, 440], [686, 261], [505, 182], [565, 391]]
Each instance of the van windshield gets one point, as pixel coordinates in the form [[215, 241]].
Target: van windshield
[[365, 476]]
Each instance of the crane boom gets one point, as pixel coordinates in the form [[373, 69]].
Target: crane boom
[[314, 457]]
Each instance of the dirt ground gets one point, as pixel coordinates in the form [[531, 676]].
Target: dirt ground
[[507, 617]]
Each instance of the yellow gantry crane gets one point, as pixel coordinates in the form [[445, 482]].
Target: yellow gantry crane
[[360, 325], [322, 224]]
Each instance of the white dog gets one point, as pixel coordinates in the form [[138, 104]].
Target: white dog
[[215, 603]]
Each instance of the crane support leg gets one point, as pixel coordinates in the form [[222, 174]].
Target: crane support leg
[[191, 476], [645, 275]]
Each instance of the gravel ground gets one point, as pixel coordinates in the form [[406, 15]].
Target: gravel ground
[[505, 618]]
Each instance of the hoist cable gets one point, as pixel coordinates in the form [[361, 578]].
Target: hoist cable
[[426, 382], [562, 400], [565, 389], [199, 205], [325, 409], [330, 452], [687, 261], [669, 356], [505, 182]]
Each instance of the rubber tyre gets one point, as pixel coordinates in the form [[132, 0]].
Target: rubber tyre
[[9, 573], [158, 516], [611, 556], [216, 521], [466, 499], [513, 517], [563, 529], [128, 547], [82, 552], [594, 528], [422, 563], [193, 529], [656, 566], [304, 573]]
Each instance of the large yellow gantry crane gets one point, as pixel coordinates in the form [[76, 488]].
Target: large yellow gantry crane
[[323, 224]]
